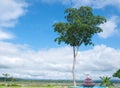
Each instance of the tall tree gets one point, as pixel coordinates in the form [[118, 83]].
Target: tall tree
[[81, 24], [117, 74]]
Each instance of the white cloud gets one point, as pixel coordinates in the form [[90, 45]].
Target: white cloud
[[93, 3], [64, 2], [10, 11], [5, 35], [20, 61], [110, 27]]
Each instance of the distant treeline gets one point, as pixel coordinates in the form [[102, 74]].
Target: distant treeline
[[2, 79]]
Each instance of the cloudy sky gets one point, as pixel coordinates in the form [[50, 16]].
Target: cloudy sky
[[28, 50]]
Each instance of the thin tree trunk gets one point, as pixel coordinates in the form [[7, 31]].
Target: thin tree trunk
[[73, 69]]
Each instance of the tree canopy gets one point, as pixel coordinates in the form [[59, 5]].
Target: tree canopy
[[117, 74], [81, 24], [105, 81]]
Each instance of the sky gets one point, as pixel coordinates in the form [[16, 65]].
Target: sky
[[28, 50]]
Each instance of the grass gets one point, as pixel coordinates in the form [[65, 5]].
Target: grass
[[43, 85], [33, 87], [115, 87], [46, 87]]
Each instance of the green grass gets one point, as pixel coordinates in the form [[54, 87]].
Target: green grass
[[45, 87], [33, 87], [38, 84], [115, 87]]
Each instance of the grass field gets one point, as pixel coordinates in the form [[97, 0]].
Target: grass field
[[34, 87], [44, 85], [49, 87]]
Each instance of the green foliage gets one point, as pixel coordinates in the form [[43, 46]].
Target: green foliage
[[50, 85], [2, 84], [15, 85], [105, 81], [6, 75], [117, 74], [8, 80], [81, 25]]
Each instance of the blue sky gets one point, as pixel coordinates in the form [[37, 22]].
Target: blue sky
[[28, 50]]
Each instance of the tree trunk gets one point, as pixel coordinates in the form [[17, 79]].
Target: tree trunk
[[73, 69]]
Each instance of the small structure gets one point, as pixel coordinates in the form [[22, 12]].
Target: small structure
[[88, 83]]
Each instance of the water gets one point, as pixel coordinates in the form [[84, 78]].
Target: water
[[89, 87]]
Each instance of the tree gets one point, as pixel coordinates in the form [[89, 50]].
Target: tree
[[105, 81], [8, 79], [117, 74], [6, 75], [79, 28]]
